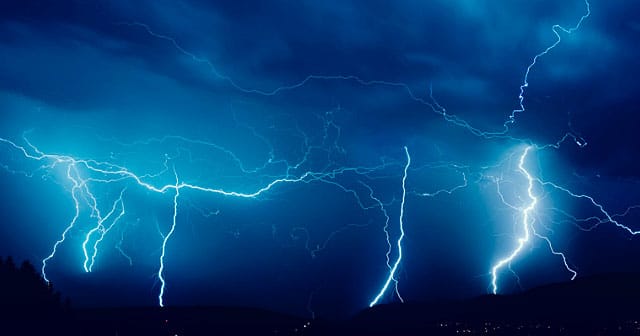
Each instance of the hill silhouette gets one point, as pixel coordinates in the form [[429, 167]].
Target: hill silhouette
[[30, 306], [606, 304], [186, 321], [585, 306]]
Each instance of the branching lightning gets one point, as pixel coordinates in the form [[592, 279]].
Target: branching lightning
[[82, 175], [527, 219], [527, 224], [74, 190], [100, 229], [439, 109]]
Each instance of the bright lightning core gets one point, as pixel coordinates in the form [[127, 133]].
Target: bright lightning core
[[526, 220], [396, 264], [530, 217]]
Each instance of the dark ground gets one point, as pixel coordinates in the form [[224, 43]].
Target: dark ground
[[607, 304]]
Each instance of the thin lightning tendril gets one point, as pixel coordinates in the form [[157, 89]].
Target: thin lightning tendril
[[99, 229], [525, 83]]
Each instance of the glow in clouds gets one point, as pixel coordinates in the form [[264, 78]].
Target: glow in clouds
[[84, 174]]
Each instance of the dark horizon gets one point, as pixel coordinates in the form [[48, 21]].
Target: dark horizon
[[591, 305]]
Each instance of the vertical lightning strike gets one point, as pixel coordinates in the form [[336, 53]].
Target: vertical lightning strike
[[164, 242], [525, 223], [99, 228], [392, 273], [387, 236], [104, 231], [74, 196]]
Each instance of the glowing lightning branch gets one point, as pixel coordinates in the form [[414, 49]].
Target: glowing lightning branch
[[100, 229], [525, 83], [554, 252], [387, 236], [107, 173], [525, 223], [526, 212], [607, 217], [164, 243], [119, 248], [392, 273], [432, 104], [74, 196], [104, 231], [527, 226]]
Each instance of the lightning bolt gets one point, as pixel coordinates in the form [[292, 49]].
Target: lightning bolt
[[392, 272], [437, 108], [83, 172], [166, 239], [388, 238], [101, 230], [605, 216], [525, 82], [74, 196], [526, 223], [527, 219]]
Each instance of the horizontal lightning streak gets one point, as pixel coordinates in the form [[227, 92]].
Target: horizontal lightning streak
[[105, 172]]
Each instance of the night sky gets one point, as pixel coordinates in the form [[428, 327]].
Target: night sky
[[300, 111]]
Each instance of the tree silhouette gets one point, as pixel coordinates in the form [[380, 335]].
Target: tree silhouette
[[28, 304]]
